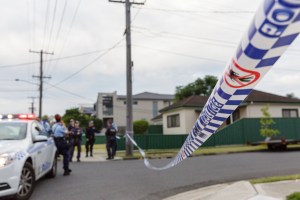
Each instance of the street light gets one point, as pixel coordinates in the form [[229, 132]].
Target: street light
[[32, 103], [21, 80]]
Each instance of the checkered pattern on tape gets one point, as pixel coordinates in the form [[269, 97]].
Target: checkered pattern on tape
[[276, 36], [252, 53]]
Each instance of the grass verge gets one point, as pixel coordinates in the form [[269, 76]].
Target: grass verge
[[169, 153], [275, 179]]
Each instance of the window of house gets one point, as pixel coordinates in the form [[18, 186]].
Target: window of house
[[134, 102], [154, 108], [173, 121], [289, 113], [107, 103], [233, 117], [236, 115]]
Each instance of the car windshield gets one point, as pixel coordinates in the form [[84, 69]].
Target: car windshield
[[13, 130]]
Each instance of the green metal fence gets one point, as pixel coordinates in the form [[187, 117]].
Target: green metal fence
[[155, 129], [241, 132], [247, 130]]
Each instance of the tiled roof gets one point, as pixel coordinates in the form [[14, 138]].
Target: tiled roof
[[192, 101], [259, 96], [149, 96], [255, 96], [158, 117]]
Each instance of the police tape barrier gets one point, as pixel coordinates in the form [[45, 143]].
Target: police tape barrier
[[275, 26]]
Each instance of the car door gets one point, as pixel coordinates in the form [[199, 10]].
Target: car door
[[49, 150], [39, 150]]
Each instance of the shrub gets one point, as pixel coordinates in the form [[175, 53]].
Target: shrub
[[140, 126], [294, 196], [266, 123]]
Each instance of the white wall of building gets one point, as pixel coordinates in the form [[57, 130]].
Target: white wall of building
[[275, 110], [187, 118], [142, 109]]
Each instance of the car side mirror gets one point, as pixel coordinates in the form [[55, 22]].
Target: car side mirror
[[40, 138]]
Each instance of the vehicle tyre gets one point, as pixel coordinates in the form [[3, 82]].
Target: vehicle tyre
[[27, 183], [52, 172], [271, 147]]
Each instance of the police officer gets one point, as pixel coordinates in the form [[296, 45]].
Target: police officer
[[60, 132], [46, 125], [76, 134], [90, 138], [111, 141]]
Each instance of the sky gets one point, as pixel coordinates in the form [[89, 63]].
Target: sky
[[174, 42]]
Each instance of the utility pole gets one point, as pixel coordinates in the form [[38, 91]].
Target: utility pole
[[129, 124], [41, 77], [32, 108]]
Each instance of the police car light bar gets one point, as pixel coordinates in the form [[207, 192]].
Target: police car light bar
[[26, 116], [18, 116]]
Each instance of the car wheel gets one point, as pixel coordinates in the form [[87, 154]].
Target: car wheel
[[27, 182], [52, 172]]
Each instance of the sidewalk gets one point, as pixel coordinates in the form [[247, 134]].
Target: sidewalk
[[99, 155], [242, 190]]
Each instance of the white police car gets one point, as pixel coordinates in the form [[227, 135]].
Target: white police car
[[27, 153]]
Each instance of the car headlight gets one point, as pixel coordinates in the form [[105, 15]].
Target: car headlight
[[6, 159]]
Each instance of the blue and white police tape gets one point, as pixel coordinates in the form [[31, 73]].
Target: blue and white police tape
[[275, 26]]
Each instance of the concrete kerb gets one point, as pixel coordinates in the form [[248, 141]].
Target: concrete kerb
[[242, 190]]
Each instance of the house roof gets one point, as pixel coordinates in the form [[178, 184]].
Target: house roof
[[194, 101], [87, 110], [264, 97], [255, 96], [149, 96], [158, 117]]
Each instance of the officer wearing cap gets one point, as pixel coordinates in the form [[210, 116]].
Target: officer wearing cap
[[60, 132]]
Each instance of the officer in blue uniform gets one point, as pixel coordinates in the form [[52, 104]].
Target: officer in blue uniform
[[60, 133]]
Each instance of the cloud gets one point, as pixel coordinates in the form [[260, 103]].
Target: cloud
[[173, 43]]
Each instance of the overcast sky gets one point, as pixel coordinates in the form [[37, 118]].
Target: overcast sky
[[174, 43]]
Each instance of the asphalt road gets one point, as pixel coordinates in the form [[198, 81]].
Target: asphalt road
[[131, 180]]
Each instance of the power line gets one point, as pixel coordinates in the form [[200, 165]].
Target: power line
[[51, 31], [46, 22], [60, 23], [90, 63], [181, 54], [201, 11], [138, 12], [66, 91], [54, 59], [183, 37], [41, 77], [68, 34], [52, 25]]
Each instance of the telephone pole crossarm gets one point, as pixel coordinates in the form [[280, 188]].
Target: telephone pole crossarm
[[136, 3]]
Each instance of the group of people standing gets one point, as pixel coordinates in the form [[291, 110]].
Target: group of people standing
[[75, 137], [70, 137]]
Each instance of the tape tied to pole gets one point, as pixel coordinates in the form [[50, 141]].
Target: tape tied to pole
[[275, 26]]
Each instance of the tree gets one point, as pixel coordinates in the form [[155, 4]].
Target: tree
[[84, 119], [266, 123], [291, 95], [140, 126], [200, 86]]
